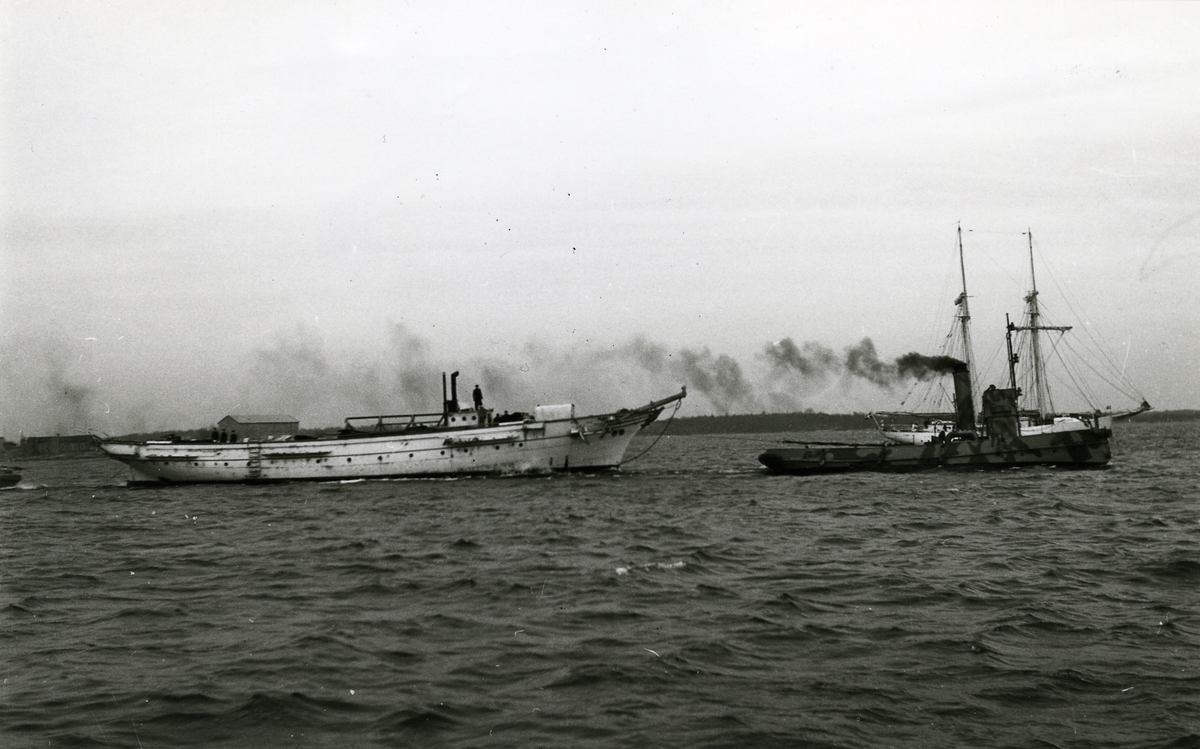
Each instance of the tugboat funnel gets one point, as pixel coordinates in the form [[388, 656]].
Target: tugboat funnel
[[964, 407]]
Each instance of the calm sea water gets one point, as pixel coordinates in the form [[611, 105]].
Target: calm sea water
[[689, 601]]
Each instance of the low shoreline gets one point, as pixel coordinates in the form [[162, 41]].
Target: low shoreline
[[763, 423]]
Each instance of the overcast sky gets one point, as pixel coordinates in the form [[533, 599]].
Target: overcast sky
[[316, 208]]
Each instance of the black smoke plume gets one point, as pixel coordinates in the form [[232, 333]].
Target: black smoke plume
[[862, 361], [811, 360], [922, 367], [718, 377], [817, 362]]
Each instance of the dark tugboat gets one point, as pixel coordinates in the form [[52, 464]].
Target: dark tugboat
[[1000, 435], [995, 442]]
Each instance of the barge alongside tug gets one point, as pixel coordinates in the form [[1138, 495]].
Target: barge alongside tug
[[455, 442]]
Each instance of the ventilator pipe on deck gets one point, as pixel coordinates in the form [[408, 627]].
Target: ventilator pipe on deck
[[450, 404]]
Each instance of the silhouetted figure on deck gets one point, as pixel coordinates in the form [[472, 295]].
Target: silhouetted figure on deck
[[477, 394]]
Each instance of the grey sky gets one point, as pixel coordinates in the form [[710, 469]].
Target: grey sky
[[317, 207]]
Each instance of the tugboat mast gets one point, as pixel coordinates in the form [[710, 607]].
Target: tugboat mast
[[1039, 382], [1041, 388], [964, 319]]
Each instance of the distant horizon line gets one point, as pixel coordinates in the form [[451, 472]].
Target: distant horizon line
[[1180, 414]]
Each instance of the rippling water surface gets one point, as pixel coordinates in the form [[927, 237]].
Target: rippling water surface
[[689, 601]]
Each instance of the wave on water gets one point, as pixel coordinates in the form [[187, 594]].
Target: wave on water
[[691, 601]]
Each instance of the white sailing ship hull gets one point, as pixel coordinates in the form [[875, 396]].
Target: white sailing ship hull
[[925, 435], [906, 437], [590, 443], [916, 435], [1068, 424]]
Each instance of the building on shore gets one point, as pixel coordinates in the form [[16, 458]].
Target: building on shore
[[33, 447], [258, 427]]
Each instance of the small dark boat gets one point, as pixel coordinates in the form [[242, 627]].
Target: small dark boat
[[9, 477]]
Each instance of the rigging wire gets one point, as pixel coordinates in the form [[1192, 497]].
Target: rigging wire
[[1097, 348], [1077, 381], [991, 362], [1082, 357], [670, 418], [1117, 386]]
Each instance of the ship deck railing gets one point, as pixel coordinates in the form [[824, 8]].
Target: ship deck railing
[[395, 422]]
